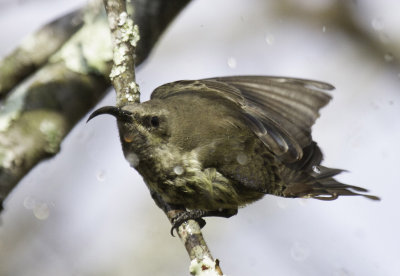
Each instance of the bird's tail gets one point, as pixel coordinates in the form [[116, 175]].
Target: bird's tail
[[320, 184], [307, 178]]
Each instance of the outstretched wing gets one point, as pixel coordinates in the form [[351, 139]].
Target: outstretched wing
[[279, 110]]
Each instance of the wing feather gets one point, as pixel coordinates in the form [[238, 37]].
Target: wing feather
[[279, 110]]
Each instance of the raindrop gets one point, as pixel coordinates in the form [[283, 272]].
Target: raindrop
[[299, 252], [302, 201], [242, 159], [384, 38], [324, 29], [101, 175], [270, 39], [41, 210], [178, 170], [133, 159], [84, 135], [377, 24], [281, 203], [389, 57], [232, 62], [29, 202], [316, 169], [342, 272]]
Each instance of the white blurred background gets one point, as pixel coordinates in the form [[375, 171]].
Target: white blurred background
[[86, 212]]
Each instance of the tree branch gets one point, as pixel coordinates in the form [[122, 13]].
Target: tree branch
[[36, 49], [202, 262], [124, 35]]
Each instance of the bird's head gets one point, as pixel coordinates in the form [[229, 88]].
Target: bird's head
[[142, 127]]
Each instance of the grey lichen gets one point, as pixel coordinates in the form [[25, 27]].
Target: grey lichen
[[135, 88], [84, 55], [122, 18], [6, 158], [129, 31], [52, 135], [117, 70], [135, 37], [204, 267], [120, 54], [13, 105], [133, 92]]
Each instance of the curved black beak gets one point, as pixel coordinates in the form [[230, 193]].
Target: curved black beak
[[121, 115]]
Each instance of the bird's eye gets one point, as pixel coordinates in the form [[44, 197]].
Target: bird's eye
[[154, 121]]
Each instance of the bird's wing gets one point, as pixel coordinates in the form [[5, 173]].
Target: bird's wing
[[279, 110]]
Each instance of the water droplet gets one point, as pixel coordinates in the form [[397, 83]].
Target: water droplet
[[316, 169], [178, 170], [299, 252], [324, 29], [270, 39], [41, 210], [377, 24], [84, 135], [101, 175], [384, 38], [281, 203], [133, 159], [389, 57], [232, 62], [302, 201], [342, 272], [29, 202], [242, 159]]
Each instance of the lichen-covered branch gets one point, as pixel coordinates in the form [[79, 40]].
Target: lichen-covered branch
[[125, 36], [202, 262], [39, 112], [35, 50], [42, 109]]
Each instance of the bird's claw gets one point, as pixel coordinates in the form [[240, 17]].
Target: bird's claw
[[182, 217]]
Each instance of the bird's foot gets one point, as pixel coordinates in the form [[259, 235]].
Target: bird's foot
[[182, 217], [198, 215]]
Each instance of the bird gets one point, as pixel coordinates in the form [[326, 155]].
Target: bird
[[212, 146]]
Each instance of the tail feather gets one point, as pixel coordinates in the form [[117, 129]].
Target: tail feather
[[320, 184]]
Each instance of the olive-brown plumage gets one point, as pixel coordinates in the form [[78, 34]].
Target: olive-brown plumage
[[221, 143]]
